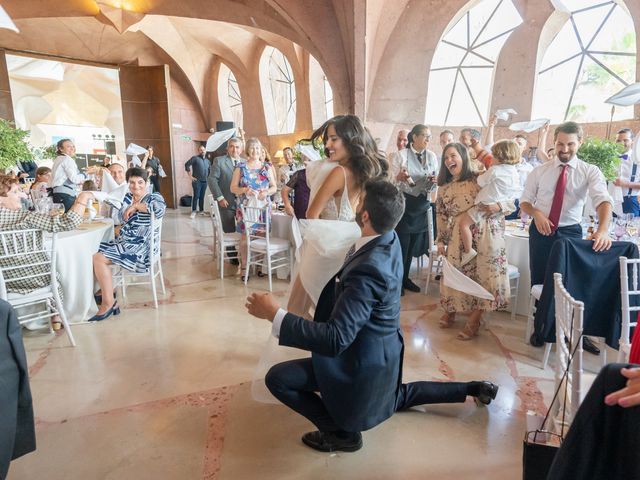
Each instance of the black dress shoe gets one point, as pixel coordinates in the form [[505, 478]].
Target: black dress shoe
[[409, 285], [333, 441], [487, 392], [588, 346], [535, 340]]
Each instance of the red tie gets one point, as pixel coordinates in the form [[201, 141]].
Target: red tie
[[558, 196]]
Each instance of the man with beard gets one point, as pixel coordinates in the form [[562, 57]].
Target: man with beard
[[355, 339]]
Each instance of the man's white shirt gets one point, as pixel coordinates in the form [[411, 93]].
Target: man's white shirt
[[582, 179]]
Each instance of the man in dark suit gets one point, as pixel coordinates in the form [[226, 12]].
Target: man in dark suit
[[17, 432], [355, 339], [220, 184]]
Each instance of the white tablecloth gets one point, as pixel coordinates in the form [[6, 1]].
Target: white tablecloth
[[517, 245], [74, 261], [281, 228]]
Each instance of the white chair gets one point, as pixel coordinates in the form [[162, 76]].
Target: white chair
[[262, 248], [21, 249], [569, 329], [121, 276], [435, 261], [514, 285], [221, 240], [627, 292]]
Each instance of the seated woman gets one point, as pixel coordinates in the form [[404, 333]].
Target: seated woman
[[253, 182], [131, 249], [14, 217], [457, 193]]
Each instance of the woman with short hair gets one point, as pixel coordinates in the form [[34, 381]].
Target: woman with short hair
[[131, 249]]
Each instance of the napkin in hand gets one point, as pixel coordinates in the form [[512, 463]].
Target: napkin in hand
[[134, 149], [503, 113], [529, 126], [454, 278], [217, 139]]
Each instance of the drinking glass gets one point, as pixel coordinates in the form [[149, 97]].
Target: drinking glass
[[56, 210], [620, 228]]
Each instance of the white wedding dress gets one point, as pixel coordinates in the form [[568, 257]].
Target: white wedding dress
[[325, 244]]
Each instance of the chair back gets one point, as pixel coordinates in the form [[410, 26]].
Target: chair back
[[256, 222], [569, 328], [215, 219], [26, 260], [629, 288], [155, 240], [430, 229]]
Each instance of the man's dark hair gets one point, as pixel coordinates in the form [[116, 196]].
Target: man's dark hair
[[570, 128], [287, 148], [384, 203], [622, 131], [137, 172], [521, 136]]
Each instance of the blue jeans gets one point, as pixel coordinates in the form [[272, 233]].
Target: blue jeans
[[199, 189]]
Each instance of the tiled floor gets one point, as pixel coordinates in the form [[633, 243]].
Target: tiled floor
[[166, 394]]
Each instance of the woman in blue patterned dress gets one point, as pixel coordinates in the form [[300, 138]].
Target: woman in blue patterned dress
[[253, 183], [130, 249]]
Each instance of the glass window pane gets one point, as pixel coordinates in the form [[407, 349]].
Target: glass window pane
[[602, 74], [488, 31]]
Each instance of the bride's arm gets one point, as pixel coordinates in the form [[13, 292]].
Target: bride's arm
[[332, 184]]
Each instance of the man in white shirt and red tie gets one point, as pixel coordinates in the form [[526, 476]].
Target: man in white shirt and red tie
[[629, 177], [554, 196]]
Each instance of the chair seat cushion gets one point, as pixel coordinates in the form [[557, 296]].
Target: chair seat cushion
[[275, 245], [16, 299], [512, 271]]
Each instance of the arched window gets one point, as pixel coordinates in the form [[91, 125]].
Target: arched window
[[229, 96], [589, 58], [461, 76], [278, 89], [321, 94]]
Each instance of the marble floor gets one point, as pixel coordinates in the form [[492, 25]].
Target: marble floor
[[166, 393]]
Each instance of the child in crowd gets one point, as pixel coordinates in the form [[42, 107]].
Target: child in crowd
[[498, 184], [40, 188]]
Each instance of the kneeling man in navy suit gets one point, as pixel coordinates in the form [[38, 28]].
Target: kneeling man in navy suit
[[353, 380]]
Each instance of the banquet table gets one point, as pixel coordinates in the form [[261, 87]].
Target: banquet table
[[74, 262]]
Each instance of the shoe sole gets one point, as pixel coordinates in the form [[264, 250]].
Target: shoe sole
[[484, 400], [347, 448]]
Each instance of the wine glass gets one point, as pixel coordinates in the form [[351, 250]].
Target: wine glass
[[620, 228], [56, 210]]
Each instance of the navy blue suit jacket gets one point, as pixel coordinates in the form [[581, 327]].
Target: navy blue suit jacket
[[355, 336]]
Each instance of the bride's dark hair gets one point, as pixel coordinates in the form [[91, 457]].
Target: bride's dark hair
[[365, 160]]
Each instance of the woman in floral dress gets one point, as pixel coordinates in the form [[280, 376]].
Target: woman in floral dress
[[457, 192], [253, 183]]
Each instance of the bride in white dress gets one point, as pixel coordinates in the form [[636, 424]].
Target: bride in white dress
[[335, 185]]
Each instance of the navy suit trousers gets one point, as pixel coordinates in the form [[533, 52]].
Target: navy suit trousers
[[294, 384]]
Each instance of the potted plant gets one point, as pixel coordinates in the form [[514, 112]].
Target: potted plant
[[13, 145], [604, 154]]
